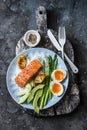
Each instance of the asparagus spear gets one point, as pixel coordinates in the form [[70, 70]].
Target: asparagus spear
[[48, 81], [43, 66], [55, 64], [45, 89], [55, 57], [50, 95], [44, 94], [46, 97]]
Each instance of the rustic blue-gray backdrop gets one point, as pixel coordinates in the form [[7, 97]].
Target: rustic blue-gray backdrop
[[16, 17]]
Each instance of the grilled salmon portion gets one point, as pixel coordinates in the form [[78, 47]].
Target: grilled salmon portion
[[27, 73]]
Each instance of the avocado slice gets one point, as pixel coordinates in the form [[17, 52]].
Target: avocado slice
[[24, 90], [36, 99], [24, 94], [21, 93], [33, 91], [23, 98]]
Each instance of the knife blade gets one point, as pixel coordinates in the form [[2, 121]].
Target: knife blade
[[53, 40]]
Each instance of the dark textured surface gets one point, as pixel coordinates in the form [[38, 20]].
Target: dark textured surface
[[16, 17]]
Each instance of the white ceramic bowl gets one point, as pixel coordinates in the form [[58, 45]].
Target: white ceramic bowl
[[33, 33]]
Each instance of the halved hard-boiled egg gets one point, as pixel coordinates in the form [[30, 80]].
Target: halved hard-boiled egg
[[58, 75], [56, 88]]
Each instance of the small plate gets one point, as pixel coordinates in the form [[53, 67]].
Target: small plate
[[13, 71]]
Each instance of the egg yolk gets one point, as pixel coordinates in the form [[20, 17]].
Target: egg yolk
[[55, 88], [59, 75]]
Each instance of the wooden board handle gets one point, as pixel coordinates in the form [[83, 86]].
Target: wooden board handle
[[41, 19]]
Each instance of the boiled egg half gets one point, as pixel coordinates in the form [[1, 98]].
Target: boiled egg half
[[56, 88], [58, 75]]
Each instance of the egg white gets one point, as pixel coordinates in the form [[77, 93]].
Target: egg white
[[61, 91], [53, 75]]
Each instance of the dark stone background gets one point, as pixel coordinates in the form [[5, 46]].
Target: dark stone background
[[16, 17]]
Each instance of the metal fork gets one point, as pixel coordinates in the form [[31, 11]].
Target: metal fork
[[62, 39]]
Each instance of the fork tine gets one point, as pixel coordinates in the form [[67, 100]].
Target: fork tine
[[64, 33]]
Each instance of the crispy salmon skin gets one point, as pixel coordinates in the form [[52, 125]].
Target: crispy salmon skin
[[27, 73]]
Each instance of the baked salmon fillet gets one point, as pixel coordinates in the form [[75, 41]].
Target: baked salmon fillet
[[27, 73]]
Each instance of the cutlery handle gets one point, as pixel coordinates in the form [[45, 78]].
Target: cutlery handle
[[72, 65], [62, 52]]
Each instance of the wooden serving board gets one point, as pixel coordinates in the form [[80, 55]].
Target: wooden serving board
[[72, 98]]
